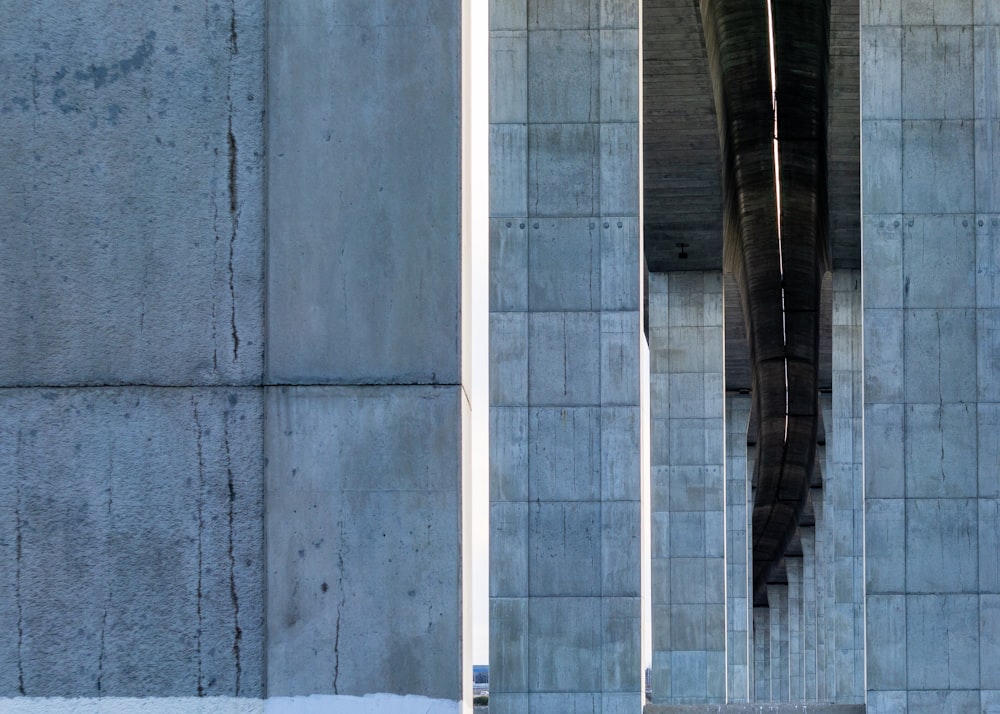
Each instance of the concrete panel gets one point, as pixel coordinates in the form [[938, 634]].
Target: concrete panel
[[509, 174], [564, 170], [883, 256], [131, 543], [883, 344], [364, 211], [988, 355], [886, 641], [937, 72], [986, 42], [938, 155], [363, 556], [988, 418], [987, 260], [881, 166], [620, 335], [942, 641], [132, 242], [563, 14], [942, 702], [509, 264], [508, 77], [940, 464], [508, 549], [989, 545], [564, 556], [619, 169], [509, 646], [564, 367], [940, 355], [884, 448], [987, 162], [885, 545], [564, 69], [946, 526], [939, 263], [989, 641], [565, 454], [621, 660], [509, 363], [615, 13], [508, 14], [881, 71], [928, 12], [564, 265], [619, 263], [620, 454], [509, 471], [620, 563], [619, 97], [561, 657]]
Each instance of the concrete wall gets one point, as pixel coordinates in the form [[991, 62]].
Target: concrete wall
[[131, 286], [930, 218], [687, 404], [364, 479], [158, 424], [564, 336]]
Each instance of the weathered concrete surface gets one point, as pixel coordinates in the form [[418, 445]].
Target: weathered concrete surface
[[564, 364], [688, 457], [131, 542], [364, 200], [363, 501], [931, 319], [315, 704], [131, 236]]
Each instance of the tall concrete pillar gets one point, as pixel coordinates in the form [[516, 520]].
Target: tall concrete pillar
[[843, 482], [796, 630], [565, 336], [366, 411], [826, 661], [131, 293], [777, 599], [931, 121], [762, 654], [809, 614], [739, 642], [688, 487]]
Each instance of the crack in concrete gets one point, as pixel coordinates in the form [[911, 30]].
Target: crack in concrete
[[340, 607], [108, 597], [233, 594], [201, 526], [18, 548]]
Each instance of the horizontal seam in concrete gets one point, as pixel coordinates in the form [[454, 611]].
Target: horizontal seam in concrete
[[256, 385]]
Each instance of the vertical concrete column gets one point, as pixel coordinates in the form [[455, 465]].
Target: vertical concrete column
[[688, 487], [131, 292], [762, 654], [796, 630], [843, 481], [930, 122], [777, 599], [366, 411], [564, 363], [826, 560], [809, 613], [738, 608]]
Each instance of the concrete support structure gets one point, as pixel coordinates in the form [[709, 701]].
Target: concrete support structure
[[796, 630], [931, 121], [777, 600], [739, 626], [688, 487], [762, 654], [565, 335], [842, 482], [809, 614], [179, 392]]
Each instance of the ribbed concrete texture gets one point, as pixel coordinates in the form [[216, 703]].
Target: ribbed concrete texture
[[739, 625], [364, 480], [564, 344], [131, 286], [931, 122], [688, 501]]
